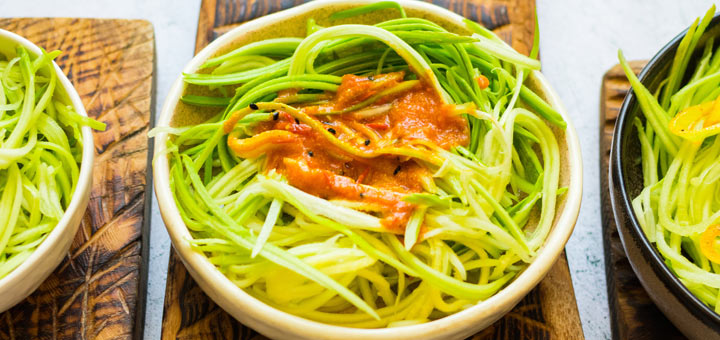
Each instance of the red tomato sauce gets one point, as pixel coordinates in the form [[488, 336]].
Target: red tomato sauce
[[316, 166]]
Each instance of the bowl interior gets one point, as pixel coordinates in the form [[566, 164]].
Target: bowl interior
[[627, 159], [178, 114], [186, 114], [31, 273]]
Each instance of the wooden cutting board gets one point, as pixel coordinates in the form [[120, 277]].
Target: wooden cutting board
[[548, 312], [98, 291], [633, 314]]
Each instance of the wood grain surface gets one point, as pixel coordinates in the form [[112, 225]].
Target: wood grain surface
[[98, 291], [548, 312], [633, 314]]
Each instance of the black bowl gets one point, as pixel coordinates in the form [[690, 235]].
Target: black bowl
[[687, 312]]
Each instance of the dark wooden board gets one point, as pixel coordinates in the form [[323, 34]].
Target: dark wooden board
[[633, 314], [98, 291], [548, 312]]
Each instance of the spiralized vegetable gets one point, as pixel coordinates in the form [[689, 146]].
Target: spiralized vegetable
[[40, 150], [678, 209], [332, 261]]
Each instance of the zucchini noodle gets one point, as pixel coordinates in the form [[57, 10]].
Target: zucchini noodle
[[678, 208], [40, 151], [472, 217]]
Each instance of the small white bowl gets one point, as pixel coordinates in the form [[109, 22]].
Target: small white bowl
[[27, 277], [280, 325]]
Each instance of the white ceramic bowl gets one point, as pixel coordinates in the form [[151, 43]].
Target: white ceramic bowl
[[27, 277], [280, 325]]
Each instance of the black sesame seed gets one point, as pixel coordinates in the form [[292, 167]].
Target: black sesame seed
[[253, 106], [347, 165], [367, 142], [311, 154], [362, 195], [396, 170], [297, 121], [276, 115], [331, 130], [371, 78]]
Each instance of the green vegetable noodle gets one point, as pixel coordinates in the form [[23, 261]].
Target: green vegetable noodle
[[679, 206], [40, 152], [368, 175]]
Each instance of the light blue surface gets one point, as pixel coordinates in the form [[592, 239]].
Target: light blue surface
[[579, 42]]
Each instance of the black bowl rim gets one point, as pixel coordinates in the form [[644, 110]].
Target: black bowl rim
[[697, 307]]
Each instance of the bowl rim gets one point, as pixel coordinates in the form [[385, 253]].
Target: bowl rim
[[84, 177], [224, 291], [618, 183]]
